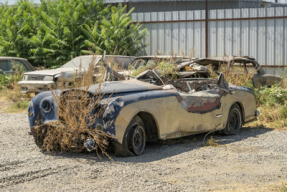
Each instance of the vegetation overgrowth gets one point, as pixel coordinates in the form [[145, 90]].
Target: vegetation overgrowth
[[75, 119], [10, 91], [54, 32]]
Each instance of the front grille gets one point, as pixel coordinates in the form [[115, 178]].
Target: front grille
[[36, 77], [39, 119]]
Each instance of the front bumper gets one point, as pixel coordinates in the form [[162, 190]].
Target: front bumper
[[35, 86], [84, 141]]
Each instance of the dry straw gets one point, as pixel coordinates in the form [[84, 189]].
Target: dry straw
[[77, 111]]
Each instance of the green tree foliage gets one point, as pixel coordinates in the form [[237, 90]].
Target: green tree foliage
[[117, 34], [56, 31], [17, 24]]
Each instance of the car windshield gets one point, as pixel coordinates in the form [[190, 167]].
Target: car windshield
[[84, 61]]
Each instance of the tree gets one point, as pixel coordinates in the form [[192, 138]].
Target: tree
[[56, 31], [62, 21], [17, 24], [117, 33]]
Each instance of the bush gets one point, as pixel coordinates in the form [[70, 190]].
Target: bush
[[10, 89], [271, 96], [7, 81], [4, 81]]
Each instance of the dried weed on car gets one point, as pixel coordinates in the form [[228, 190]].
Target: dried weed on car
[[77, 112]]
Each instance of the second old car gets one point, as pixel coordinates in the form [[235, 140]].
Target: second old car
[[150, 108], [44, 80]]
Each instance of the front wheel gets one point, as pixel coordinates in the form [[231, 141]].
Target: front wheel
[[134, 140], [234, 121]]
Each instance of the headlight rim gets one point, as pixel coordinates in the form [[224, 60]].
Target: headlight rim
[[44, 108]]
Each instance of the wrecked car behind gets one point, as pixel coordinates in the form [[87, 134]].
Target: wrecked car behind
[[44, 80], [260, 77]]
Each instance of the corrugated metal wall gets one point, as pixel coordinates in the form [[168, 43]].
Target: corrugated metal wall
[[262, 38], [180, 37]]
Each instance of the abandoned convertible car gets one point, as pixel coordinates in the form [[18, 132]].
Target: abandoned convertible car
[[150, 108]]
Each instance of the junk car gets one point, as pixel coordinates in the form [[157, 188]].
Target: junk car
[[151, 108], [194, 70], [10, 65], [154, 60], [44, 80], [260, 77]]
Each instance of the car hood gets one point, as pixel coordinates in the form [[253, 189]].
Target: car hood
[[51, 71], [123, 87]]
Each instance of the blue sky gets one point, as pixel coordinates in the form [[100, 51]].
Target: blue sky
[[38, 1]]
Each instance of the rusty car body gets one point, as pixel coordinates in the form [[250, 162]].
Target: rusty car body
[[145, 62], [150, 108], [260, 77], [155, 59], [44, 80]]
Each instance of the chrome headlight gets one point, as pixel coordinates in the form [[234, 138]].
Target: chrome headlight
[[48, 78], [25, 77]]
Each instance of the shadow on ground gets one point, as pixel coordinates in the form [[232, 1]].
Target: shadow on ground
[[164, 149]]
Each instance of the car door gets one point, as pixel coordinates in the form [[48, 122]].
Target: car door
[[200, 111], [201, 108]]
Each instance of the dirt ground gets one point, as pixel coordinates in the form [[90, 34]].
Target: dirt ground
[[254, 160]]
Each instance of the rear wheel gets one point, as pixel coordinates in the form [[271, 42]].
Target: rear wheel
[[134, 140], [234, 121]]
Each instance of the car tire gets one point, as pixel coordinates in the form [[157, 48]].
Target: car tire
[[234, 121], [134, 140]]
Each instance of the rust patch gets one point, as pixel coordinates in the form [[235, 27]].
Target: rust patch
[[179, 98], [202, 106]]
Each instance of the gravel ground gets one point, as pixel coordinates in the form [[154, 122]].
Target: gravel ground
[[250, 160]]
